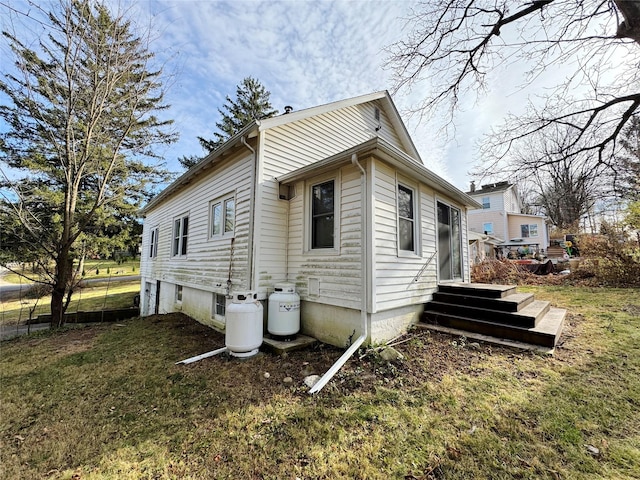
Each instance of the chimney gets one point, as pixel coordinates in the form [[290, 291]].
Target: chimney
[[473, 186], [288, 109]]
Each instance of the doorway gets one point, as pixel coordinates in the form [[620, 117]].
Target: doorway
[[449, 243]]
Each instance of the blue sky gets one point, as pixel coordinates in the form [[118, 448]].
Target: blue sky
[[306, 53]]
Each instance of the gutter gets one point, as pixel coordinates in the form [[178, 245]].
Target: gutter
[[364, 331]]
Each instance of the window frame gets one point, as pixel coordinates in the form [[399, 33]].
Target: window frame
[[400, 184], [486, 205], [223, 203], [487, 231], [214, 306], [309, 223], [153, 242], [180, 236], [179, 291], [529, 230]]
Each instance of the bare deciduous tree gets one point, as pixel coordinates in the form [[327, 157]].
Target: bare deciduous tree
[[455, 45]]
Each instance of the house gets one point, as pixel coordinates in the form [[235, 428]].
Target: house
[[501, 216], [482, 246], [334, 199]]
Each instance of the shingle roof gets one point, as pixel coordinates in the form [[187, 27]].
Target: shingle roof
[[491, 188]]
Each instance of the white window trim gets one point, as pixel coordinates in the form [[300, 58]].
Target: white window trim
[[484, 231], [153, 242], [529, 225], [417, 227], [337, 191], [222, 201], [214, 304], [488, 203], [179, 292], [181, 238]]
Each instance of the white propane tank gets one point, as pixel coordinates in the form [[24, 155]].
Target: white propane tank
[[243, 332], [284, 310]]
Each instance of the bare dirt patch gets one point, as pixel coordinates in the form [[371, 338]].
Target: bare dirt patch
[[75, 340], [425, 356]]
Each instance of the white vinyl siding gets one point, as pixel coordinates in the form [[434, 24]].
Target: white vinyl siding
[[209, 261], [291, 146], [393, 275], [337, 277]]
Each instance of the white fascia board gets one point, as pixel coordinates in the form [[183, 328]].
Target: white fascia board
[[317, 110]]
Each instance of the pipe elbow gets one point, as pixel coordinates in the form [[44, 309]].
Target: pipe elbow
[[354, 161]]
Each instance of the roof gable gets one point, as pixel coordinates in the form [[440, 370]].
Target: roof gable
[[382, 96]]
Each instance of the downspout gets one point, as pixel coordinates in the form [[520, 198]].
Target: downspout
[[365, 286], [252, 209]]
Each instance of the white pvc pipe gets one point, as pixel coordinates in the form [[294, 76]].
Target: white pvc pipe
[[364, 330], [200, 357]]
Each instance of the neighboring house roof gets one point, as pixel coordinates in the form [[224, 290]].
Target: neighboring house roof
[[491, 188], [490, 239], [252, 129], [389, 153]]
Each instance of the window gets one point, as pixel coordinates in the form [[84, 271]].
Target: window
[[153, 244], [180, 234], [487, 228], [219, 305], [323, 215], [178, 293], [406, 219], [486, 202], [223, 216], [529, 230]]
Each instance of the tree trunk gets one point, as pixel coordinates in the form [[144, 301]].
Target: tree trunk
[[64, 270], [630, 26]]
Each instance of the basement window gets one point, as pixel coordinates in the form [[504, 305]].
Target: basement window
[[219, 307], [178, 293]]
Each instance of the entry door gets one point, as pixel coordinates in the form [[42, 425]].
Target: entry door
[[449, 243]]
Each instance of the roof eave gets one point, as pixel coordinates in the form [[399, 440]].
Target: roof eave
[[194, 171], [388, 152]]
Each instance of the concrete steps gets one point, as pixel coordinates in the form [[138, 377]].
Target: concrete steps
[[496, 311]]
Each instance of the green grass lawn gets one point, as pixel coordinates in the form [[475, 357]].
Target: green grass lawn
[[87, 299], [92, 269], [108, 402]]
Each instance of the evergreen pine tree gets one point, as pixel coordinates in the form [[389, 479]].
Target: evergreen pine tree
[[251, 103]]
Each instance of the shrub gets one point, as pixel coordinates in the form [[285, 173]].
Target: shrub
[[610, 259], [499, 271]]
